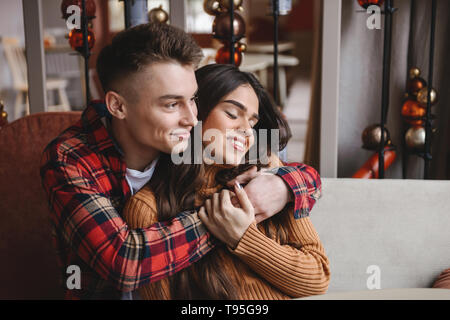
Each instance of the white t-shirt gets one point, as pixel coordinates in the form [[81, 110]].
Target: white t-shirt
[[136, 180]]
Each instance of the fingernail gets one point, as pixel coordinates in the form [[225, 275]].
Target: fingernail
[[238, 185]]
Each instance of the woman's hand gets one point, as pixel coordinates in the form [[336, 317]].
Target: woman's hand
[[225, 221], [268, 192]]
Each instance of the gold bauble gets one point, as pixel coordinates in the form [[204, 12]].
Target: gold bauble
[[242, 46], [158, 15], [415, 138], [414, 73], [211, 7], [3, 115], [422, 96], [371, 137], [226, 4]]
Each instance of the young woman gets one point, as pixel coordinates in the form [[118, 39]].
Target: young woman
[[281, 257]]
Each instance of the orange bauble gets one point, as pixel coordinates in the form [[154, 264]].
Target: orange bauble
[[223, 56], [411, 110], [76, 39], [415, 85], [366, 3]]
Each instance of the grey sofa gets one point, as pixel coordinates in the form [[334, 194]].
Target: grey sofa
[[381, 234]]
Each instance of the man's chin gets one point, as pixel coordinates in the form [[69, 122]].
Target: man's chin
[[179, 147]]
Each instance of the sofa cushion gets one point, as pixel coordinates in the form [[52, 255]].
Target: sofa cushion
[[394, 231]]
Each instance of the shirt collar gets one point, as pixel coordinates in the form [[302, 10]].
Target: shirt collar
[[96, 121]]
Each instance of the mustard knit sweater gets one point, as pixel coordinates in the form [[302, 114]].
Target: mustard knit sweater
[[262, 268]]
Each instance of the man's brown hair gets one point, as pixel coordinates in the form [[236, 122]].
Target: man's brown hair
[[140, 46]]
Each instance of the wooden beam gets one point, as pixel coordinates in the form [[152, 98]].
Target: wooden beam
[[34, 47], [178, 14], [331, 47]]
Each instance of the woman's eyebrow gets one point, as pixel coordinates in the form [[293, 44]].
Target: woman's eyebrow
[[240, 106]]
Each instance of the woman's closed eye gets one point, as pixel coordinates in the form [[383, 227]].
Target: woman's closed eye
[[232, 116]]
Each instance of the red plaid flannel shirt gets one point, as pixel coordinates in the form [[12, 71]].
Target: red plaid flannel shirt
[[83, 174]]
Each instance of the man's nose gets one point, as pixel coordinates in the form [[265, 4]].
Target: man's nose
[[189, 116]]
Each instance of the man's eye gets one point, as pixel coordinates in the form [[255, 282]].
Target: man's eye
[[194, 99], [232, 116], [172, 105]]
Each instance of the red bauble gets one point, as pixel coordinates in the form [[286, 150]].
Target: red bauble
[[76, 39], [366, 3], [221, 26], [415, 85], [90, 7], [223, 56], [411, 109]]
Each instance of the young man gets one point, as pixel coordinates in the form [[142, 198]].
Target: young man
[[93, 168]]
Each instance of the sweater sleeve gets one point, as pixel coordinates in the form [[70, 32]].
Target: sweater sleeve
[[296, 272]]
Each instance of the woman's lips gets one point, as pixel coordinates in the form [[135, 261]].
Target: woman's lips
[[237, 143]]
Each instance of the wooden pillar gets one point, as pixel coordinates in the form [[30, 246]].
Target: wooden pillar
[[178, 12], [34, 45], [331, 47]]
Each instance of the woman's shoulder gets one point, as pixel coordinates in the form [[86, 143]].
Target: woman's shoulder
[[140, 211], [145, 196]]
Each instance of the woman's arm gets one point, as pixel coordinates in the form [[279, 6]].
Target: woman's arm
[[296, 272]]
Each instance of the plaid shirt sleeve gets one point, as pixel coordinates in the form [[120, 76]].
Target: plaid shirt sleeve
[[305, 183], [93, 228]]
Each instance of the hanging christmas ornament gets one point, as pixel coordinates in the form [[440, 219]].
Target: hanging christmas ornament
[[422, 96], [366, 3], [225, 4], [3, 115], [415, 138], [414, 73], [90, 8], [371, 137], [76, 39], [415, 85], [411, 110], [223, 55], [211, 7], [242, 46], [158, 15], [221, 26], [370, 169]]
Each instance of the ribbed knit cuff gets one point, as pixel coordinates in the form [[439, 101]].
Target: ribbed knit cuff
[[251, 237]]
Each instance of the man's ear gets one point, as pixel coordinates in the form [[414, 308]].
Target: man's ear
[[116, 105]]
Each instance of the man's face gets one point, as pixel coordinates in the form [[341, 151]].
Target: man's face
[[162, 111]]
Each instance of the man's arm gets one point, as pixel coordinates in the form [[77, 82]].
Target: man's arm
[[270, 191], [304, 184], [99, 236]]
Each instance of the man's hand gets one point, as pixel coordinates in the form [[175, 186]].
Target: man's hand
[[267, 192], [226, 222]]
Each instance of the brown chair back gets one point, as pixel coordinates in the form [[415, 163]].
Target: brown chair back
[[28, 266]]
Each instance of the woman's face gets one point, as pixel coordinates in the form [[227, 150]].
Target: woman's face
[[227, 131]]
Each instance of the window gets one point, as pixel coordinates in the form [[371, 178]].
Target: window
[[197, 20]]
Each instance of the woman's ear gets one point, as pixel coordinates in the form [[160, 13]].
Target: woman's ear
[[116, 105]]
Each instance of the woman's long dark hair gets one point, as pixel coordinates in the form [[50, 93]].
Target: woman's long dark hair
[[175, 185]]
